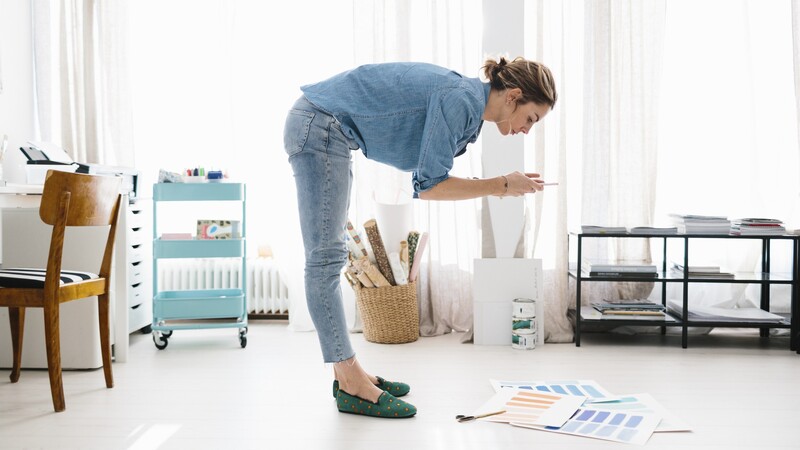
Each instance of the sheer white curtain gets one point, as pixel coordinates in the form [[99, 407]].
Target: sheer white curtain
[[729, 142], [796, 59], [444, 32], [554, 36], [600, 142], [82, 90]]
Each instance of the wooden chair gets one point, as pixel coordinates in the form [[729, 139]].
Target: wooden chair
[[68, 200]]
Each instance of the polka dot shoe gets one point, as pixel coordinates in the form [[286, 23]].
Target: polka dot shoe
[[395, 388], [387, 406]]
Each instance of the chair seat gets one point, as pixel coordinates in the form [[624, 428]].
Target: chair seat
[[28, 278]]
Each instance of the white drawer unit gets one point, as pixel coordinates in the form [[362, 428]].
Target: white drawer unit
[[133, 258]]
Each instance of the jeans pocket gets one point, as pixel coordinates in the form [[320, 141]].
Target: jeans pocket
[[295, 131]]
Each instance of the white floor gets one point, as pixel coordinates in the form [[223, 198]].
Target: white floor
[[205, 392]]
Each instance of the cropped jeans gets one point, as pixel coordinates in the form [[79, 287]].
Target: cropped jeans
[[320, 156]]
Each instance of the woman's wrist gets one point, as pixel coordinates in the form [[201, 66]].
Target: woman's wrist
[[504, 180]]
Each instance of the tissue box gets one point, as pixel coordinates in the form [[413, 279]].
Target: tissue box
[[218, 229]]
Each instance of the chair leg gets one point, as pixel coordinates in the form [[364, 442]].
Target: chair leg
[[52, 337], [16, 317], [105, 342]]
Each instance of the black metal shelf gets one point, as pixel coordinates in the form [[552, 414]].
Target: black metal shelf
[[765, 279]]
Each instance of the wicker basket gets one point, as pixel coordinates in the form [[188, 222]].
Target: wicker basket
[[390, 313]]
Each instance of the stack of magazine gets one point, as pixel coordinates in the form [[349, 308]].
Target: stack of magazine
[[622, 308], [710, 271], [620, 269], [698, 224], [756, 226]]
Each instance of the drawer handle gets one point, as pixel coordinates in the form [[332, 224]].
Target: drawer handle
[[135, 285]]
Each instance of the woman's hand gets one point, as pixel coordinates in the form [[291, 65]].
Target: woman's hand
[[522, 183]]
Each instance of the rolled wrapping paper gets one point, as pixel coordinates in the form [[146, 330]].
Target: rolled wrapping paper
[[372, 272], [412, 239], [397, 269], [355, 251], [412, 274], [351, 231], [404, 257], [364, 279], [381, 258]]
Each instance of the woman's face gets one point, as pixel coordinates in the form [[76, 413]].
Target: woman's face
[[521, 118]]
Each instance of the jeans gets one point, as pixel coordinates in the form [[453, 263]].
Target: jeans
[[320, 156]]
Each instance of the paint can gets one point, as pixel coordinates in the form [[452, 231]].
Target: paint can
[[523, 308], [522, 341], [523, 324]]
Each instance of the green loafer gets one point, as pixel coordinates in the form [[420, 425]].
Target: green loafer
[[395, 388], [387, 406]]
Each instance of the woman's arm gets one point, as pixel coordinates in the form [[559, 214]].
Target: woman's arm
[[511, 185]]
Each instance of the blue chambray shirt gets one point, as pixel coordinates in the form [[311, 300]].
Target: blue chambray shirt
[[416, 117]]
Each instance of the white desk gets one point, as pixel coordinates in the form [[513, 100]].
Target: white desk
[[80, 345]]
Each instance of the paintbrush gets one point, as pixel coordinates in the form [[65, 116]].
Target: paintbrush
[[463, 418]]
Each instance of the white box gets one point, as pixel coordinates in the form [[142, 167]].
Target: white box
[[497, 282], [35, 173]]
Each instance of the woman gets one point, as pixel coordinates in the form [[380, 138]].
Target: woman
[[415, 117]]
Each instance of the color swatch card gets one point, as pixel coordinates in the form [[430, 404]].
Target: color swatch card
[[585, 388], [645, 403], [531, 407], [632, 428]]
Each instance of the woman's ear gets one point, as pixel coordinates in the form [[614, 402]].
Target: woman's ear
[[512, 95]]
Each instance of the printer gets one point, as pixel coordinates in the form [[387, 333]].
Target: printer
[[44, 156]]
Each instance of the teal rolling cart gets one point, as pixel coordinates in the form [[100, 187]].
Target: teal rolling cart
[[198, 308]]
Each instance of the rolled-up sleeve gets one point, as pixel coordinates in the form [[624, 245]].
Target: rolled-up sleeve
[[449, 119]]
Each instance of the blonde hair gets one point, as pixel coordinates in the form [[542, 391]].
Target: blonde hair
[[532, 78]]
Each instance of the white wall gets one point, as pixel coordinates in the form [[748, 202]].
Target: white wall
[[16, 74]]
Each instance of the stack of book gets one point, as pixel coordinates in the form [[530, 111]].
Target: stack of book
[[696, 224], [620, 269], [754, 226], [709, 271], [636, 307]]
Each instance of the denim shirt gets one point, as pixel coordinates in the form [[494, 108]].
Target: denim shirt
[[416, 117]]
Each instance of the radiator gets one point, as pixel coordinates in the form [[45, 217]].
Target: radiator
[[266, 292]]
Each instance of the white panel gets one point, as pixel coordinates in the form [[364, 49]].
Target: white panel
[[496, 283]]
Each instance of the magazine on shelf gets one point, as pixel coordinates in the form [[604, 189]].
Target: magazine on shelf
[[638, 267], [630, 307], [603, 229], [589, 313], [624, 274], [709, 271], [717, 314], [653, 230]]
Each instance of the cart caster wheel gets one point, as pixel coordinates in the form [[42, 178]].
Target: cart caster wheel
[[243, 337], [167, 333], [160, 341], [146, 329]]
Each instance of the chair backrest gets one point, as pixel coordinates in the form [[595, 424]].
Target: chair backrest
[[92, 201], [75, 200]]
